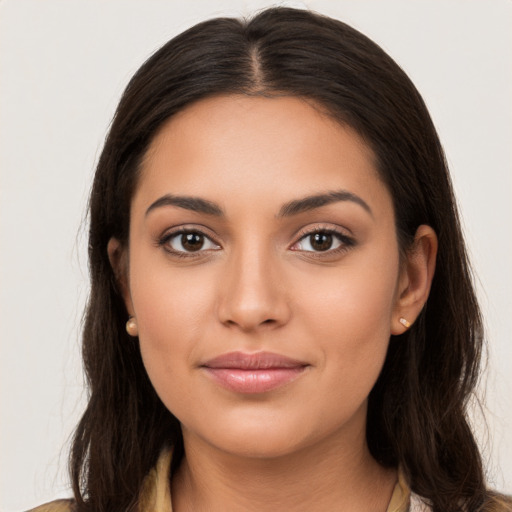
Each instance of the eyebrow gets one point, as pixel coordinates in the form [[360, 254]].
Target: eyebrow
[[316, 201], [197, 204]]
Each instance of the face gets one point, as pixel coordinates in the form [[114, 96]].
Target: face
[[263, 274]]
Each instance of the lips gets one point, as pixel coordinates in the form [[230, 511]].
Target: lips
[[253, 373]]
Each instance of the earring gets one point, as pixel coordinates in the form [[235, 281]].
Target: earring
[[404, 322], [131, 327]]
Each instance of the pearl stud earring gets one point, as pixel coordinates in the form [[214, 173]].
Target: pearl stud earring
[[131, 327], [404, 322]]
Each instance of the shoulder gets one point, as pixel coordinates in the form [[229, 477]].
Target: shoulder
[[498, 503], [56, 506], [495, 502], [417, 504]]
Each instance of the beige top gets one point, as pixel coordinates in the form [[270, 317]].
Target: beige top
[[155, 495]]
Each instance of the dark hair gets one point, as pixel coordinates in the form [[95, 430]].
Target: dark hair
[[417, 410]]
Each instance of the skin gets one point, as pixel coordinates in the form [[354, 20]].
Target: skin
[[259, 284]]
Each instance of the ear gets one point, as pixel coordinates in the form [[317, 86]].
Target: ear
[[118, 257], [415, 279]]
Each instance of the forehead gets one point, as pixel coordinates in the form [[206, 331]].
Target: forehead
[[236, 146]]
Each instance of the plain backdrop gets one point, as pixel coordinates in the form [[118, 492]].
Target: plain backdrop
[[63, 65]]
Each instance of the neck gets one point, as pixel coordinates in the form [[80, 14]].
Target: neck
[[333, 475]]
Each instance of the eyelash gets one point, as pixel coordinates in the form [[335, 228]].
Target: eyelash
[[346, 242], [165, 240]]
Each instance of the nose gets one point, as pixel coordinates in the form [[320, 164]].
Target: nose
[[253, 292]]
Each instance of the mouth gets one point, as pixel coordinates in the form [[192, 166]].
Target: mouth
[[253, 373]]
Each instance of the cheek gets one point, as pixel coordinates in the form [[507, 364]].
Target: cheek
[[354, 298], [165, 296], [349, 314], [171, 308]]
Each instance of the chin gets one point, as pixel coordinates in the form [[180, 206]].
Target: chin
[[264, 445], [261, 436]]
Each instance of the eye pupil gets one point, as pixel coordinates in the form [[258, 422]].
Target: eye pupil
[[321, 241], [192, 241]]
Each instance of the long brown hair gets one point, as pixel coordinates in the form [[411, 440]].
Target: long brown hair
[[417, 415]]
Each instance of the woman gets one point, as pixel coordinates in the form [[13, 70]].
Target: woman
[[281, 313]]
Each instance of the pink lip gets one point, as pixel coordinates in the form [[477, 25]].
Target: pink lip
[[253, 373]]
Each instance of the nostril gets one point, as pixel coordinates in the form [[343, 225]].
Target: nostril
[[250, 325]]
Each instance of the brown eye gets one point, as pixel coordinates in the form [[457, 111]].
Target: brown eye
[[188, 242], [321, 241], [327, 241], [192, 241]]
